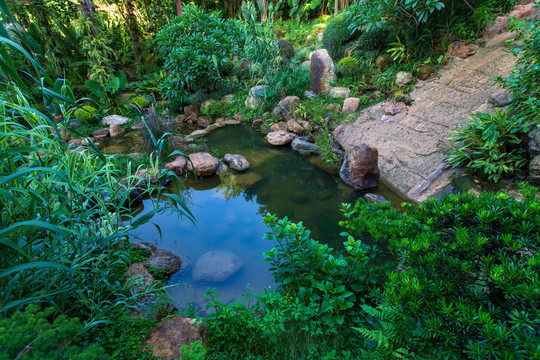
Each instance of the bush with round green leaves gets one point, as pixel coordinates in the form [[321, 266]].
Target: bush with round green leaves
[[88, 114], [336, 35], [348, 67], [139, 102], [217, 109]]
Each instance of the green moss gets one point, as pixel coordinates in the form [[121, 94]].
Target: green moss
[[348, 67], [139, 102], [88, 114]]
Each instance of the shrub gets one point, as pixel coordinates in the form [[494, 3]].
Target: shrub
[[194, 46], [348, 67], [285, 48], [336, 35], [490, 145], [467, 284], [217, 109], [87, 114], [140, 102]]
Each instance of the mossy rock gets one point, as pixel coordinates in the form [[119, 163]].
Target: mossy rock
[[88, 114], [348, 67]]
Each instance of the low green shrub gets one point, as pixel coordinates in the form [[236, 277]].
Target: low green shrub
[[217, 109], [285, 48], [32, 334], [140, 102], [348, 67], [87, 114], [489, 146], [336, 34]]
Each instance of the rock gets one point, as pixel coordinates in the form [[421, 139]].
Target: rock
[[101, 133], [237, 162], [534, 170], [339, 93], [139, 278], [500, 99], [360, 167], [244, 66], [170, 334], [280, 126], [279, 138], [534, 141], [462, 49], [216, 266], [424, 71], [309, 94], [138, 126], [319, 36], [297, 127], [350, 105], [526, 11], [257, 123], [180, 119], [383, 61], [164, 260], [334, 108], [322, 71], [304, 147], [178, 165], [114, 119], [255, 96], [145, 245], [115, 130], [191, 112], [74, 124], [228, 98], [286, 106], [394, 109], [403, 78], [204, 164], [205, 104], [374, 198], [203, 121]]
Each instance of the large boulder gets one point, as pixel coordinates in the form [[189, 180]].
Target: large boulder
[[237, 162], [360, 167], [322, 71], [216, 266], [279, 138], [170, 334], [163, 260], [178, 165], [255, 96], [191, 112], [203, 163]]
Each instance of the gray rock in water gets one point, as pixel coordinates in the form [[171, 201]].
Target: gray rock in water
[[178, 165], [237, 162], [114, 119], [360, 167], [145, 245], [304, 147], [164, 260], [500, 99], [216, 266], [374, 198]]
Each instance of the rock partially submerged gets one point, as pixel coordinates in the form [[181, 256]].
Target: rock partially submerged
[[165, 261], [360, 167], [216, 266], [203, 163], [236, 162]]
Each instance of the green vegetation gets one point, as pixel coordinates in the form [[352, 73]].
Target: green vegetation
[[460, 283], [140, 102], [337, 34], [87, 114], [217, 109], [348, 67]]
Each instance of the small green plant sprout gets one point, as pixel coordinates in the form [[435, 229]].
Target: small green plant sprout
[[87, 114], [348, 67], [490, 146], [398, 51]]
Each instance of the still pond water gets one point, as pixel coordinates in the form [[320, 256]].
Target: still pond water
[[228, 209]]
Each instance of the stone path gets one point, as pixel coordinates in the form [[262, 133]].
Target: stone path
[[413, 145]]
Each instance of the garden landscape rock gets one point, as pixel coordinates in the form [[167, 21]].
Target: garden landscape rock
[[170, 334], [350, 105], [178, 165], [286, 106], [322, 71], [413, 145], [138, 277], [101, 133], [191, 112], [115, 130], [534, 170], [375, 198], [256, 96], [360, 167], [280, 138], [203, 163], [236, 162], [339, 92], [500, 99], [165, 261], [297, 126], [114, 119], [403, 78], [216, 266], [304, 147]]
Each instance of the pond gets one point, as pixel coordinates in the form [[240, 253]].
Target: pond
[[228, 209]]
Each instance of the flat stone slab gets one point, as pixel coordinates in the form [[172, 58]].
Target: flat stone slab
[[413, 144]]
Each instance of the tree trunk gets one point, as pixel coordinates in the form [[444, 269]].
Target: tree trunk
[[179, 7], [88, 9]]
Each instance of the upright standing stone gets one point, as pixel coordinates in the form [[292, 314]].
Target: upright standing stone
[[322, 71], [360, 167]]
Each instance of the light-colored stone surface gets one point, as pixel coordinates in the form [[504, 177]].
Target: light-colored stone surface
[[339, 93], [322, 71], [114, 119], [413, 145], [204, 164], [170, 334], [350, 105], [279, 138]]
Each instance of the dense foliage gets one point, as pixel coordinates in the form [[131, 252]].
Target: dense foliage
[[461, 283]]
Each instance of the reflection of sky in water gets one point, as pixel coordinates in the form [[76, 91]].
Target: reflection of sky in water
[[228, 213]]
